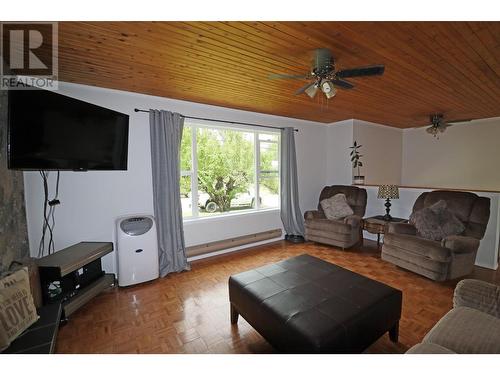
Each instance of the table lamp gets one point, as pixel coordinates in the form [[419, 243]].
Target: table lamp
[[388, 192]]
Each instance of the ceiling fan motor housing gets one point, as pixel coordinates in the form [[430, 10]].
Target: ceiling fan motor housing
[[436, 119], [323, 62]]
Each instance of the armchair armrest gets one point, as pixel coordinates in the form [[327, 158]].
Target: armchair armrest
[[402, 228], [478, 295], [353, 220], [460, 244], [314, 215]]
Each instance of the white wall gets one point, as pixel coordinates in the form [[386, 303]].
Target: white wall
[[466, 156], [338, 165], [381, 150], [92, 200]]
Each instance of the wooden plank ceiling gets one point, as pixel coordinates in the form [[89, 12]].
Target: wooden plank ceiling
[[431, 67]]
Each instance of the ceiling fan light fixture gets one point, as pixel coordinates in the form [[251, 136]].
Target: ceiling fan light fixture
[[438, 125], [331, 94], [432, 130], [326, 86], [328, 89], [311, 91]]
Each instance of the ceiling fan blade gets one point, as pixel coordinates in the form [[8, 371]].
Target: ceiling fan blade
[[442, 126], [363, 71], [287, 76], [304, 88], [342, 84], [461, 120]]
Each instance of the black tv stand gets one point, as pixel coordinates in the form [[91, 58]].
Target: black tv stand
[[79, 272], [40, 338]]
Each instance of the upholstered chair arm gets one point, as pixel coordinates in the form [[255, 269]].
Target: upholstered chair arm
[[460, 244], [314, 215], [402, 228], [478, 295], [353, 220]]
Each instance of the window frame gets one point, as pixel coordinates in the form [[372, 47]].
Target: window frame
[[194, 125]]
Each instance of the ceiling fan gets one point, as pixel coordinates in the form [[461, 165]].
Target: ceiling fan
[[438, 125], [325, 76]]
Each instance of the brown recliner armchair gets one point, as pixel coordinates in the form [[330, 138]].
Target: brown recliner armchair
[[453, 256], [342, 233]]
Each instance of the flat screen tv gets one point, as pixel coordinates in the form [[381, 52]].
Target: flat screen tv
[[49, 131]]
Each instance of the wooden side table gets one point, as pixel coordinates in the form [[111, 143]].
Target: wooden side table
[[377, 225]]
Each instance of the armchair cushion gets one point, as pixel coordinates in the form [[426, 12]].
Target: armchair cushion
[[461, 244], [466, 331], [479, 295], [313, 214], [471, 327], [336, 207], [329, 226], [419, 246], [429, 348], [436, 222], [353, 220], [402, 228]]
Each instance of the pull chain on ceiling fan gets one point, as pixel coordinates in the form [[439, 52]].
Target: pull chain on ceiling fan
[[326, 77]]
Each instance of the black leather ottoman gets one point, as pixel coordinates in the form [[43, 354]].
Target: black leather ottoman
[[306, 305]]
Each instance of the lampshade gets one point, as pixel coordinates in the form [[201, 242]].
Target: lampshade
[[388, 192], [312, 90], [328, 88]]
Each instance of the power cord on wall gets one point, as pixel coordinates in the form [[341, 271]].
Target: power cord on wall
[[49, 209]]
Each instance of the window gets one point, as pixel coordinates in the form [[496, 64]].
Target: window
[[224, 170]]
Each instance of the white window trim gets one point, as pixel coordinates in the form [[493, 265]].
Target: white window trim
[[229, 215], [194, 177], [256, 145], [193, 173]]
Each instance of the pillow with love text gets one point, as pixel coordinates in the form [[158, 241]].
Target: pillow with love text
[[17, 310]]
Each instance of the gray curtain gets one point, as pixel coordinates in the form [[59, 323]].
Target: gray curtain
[[291, 216], [166, 133]]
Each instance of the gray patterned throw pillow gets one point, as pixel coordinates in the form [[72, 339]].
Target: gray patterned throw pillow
[[436, 222], [336, 207]]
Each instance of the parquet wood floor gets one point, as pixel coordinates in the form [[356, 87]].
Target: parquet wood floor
[[189, 312]]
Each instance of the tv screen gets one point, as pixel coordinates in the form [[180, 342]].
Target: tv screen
[[49, 131]]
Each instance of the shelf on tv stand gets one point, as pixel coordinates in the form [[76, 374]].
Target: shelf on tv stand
[[74, 257], [86, 294]]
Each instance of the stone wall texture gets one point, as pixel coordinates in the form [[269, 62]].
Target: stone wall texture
[[13, 231]]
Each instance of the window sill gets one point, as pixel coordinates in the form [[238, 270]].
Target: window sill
[[222, 217]]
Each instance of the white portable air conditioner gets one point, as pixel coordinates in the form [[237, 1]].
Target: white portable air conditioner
[[137, 250]]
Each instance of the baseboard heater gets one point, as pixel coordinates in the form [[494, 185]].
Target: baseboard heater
[[210, 247]]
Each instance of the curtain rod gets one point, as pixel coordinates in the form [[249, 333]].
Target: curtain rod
[[227, 122]]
